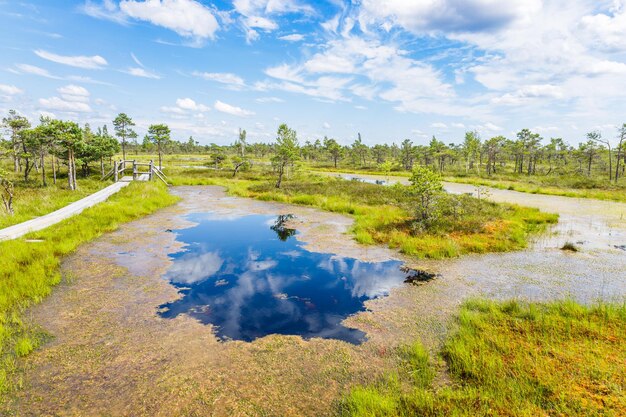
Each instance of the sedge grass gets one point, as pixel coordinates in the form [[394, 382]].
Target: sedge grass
[[512, 359]]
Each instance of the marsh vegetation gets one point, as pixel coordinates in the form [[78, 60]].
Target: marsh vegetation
[[501, 358]]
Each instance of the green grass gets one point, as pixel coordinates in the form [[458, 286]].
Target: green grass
[[30, 270], [511, 359], [33, 200], [382, 214]]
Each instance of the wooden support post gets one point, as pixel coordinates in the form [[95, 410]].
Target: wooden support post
[[151, 173], [134, 170], [116, 171]]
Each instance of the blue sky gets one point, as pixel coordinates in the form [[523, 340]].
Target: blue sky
[[390, 69]]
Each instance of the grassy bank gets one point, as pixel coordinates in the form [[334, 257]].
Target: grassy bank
[[611, 194], [383, 214], [572, 186], [31, 269], [511, 359], [33, 200]]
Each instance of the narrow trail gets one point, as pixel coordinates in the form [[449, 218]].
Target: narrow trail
[[39, 223]]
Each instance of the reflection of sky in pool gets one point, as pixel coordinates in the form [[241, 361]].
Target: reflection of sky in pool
[[249, 277]]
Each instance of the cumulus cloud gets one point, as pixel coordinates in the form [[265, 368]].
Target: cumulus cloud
[[232, 110], [185, 105], [189, 104], [80, 61], [74, 99], [74, 93], [188, 18], [606, 30]]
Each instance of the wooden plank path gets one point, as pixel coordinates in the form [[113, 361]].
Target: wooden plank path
[[39, 223], [121, 181]]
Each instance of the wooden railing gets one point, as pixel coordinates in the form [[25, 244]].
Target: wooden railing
[[120, 168]]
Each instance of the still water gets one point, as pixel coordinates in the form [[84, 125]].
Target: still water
[[250, 276]]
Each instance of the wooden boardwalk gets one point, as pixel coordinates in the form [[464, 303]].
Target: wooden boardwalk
[[18, 230], [121, 181]]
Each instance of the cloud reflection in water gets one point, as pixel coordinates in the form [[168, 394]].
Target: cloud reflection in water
[[268, 283]]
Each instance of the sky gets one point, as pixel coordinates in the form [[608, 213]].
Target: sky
[[389, 70]]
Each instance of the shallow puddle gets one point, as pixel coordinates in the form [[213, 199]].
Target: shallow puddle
[[250, 276]]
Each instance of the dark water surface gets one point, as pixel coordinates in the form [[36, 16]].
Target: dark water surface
[[250, 277]]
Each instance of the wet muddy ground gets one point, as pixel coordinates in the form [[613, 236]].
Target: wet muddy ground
[[111, 353]]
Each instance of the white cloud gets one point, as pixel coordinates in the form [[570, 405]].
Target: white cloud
[[10, 90], [326, 125], [74, 93], [106, 10], [73, 98], [261, 23], [233, 110], [56, 103], [188, 18], [270, 100], [606, 30], [189, 104], [137, 61], [258, 14], [446, 15], [222, 77], [439, 125], [31, 69], [73, 90], [87, 62], [172, 109], [141, 72], [392, 76], [526, 93], [294, 37], [184, 106]]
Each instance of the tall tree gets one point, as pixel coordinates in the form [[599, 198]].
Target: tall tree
[[471, 149], [407, 154], [334, 150], [159, 134], [286, 151], [597, 137], [621, 152], [70, 137], [242, 142], [16, 124], [123, 130]]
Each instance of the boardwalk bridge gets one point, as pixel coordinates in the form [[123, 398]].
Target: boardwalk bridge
[[138, 171]]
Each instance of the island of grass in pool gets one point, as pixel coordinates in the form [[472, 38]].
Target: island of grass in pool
[[250, 277]]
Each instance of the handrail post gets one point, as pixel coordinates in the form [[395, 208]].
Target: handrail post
[[134, 170], [115, 169], [151, 170]]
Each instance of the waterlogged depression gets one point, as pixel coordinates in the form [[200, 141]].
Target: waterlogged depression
[[250, 276]]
